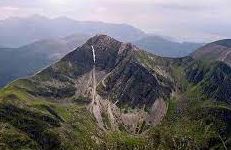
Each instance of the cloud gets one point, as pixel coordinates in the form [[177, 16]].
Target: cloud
[[8, 11]]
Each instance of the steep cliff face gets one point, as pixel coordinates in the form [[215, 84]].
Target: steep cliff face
[[213, 79]]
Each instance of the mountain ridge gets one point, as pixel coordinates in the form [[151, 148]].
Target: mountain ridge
[[26, 60], [143, 101], [167, 48], [215, 51]]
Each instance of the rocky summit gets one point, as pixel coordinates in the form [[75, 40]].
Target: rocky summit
[[126, 99]]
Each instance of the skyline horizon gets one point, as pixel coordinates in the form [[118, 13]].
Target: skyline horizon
[[161, 35]]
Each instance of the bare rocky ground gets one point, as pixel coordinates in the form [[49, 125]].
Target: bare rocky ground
[[132, 121]]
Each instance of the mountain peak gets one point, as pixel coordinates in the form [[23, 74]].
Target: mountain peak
[[101, 38], [100, 41], [107, 51]]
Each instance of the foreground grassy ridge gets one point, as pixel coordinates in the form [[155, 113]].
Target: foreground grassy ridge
[[37, 123], [29, 122]]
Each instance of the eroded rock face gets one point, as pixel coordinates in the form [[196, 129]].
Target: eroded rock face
[[109, 116], [133, 85]]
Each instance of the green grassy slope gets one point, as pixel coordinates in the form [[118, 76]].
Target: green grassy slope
[[37, 123], [29, 122]]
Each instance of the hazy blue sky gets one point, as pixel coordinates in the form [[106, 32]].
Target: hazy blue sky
[[186, 19]]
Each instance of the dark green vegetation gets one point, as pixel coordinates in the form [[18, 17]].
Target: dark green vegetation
[[35, 123], [49, 110]]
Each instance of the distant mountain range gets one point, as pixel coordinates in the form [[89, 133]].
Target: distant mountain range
[[16, 32], [120, 98], [26, 60], [166, 48]]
